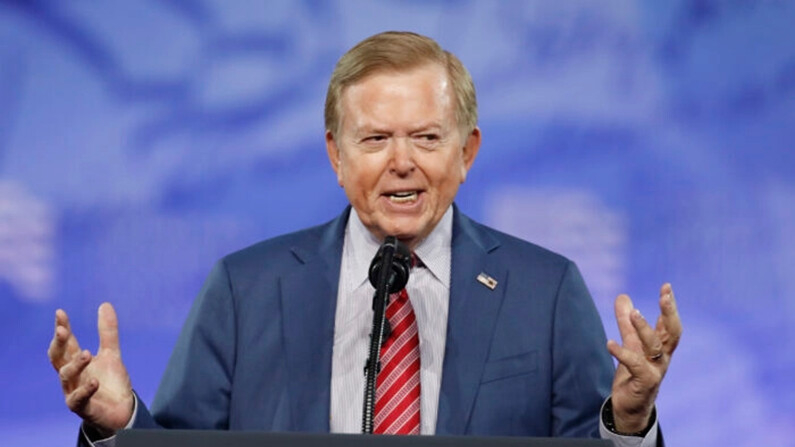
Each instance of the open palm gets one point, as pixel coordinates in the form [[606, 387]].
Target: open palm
[[643, 357], [97, 388]]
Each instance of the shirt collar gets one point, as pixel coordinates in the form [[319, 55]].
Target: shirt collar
[[434, 250]]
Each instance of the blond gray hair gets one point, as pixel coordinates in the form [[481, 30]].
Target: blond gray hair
[[400, 51]]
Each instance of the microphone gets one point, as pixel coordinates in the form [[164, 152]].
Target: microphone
[[389, 273], [395, 256]]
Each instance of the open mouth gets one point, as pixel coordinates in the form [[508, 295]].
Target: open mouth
[[403, 196]]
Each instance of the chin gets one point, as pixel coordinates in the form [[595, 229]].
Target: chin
[[402, 229], [410, 238]]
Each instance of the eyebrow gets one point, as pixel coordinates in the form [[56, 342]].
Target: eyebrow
[[367, 129], [371, 129], [417, 129], [427, 128]]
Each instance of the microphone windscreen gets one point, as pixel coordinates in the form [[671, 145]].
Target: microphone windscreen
[[399, 268]]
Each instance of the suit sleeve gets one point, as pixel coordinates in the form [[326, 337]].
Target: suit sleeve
[[582, 369], [196, 387]]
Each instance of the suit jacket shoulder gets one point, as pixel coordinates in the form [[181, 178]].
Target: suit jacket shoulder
[[490, 238], [520, 318], [276, 256], [255, 350]]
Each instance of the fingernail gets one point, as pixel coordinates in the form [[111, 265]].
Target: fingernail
[[636, 314]]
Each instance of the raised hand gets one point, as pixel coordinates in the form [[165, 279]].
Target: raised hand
[[96, 388], [643, 357]]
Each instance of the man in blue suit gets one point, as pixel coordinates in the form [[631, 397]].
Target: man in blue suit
[[509, 340]]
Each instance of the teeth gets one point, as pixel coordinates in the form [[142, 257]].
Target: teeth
[[403, 197]]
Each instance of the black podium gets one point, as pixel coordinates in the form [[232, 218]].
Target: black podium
[[204, 438]]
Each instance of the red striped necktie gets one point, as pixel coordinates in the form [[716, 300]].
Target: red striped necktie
[[397, 396]]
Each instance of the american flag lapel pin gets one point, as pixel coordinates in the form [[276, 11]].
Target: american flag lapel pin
[[487, 281]]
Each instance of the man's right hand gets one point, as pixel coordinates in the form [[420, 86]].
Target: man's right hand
[[97, 388]]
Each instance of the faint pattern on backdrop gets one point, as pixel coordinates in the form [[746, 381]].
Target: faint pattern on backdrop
[[648, 141]]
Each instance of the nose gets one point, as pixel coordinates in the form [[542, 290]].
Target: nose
[[402, 162]]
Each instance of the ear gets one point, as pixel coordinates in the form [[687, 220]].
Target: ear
[[469, 152], [334, 156]]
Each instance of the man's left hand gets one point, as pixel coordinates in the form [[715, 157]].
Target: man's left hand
[[643, 360]]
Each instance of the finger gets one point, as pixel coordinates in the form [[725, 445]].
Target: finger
[[635, 362], [61, 330], [70, 373], [79, 398], [651, 344], [62, 319], [63, 344], [108, 327], [623, 310], [670, 317]]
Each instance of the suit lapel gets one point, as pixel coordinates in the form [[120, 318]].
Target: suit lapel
[[473, 312], [309, 300]]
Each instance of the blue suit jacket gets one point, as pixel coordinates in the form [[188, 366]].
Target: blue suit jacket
[[527, 358]]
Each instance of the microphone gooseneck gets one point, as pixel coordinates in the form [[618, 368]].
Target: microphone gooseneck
[[389, 273]]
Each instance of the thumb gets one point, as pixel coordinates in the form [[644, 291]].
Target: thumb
[[108, 327]]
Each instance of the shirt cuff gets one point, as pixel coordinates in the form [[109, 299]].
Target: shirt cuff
[[111, 440], [650, 440]]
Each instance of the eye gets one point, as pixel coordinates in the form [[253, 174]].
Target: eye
[[428, 140], [374, 138]]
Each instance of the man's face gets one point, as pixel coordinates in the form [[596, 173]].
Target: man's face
[[399, 152]]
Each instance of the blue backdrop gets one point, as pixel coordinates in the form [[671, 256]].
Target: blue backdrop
[[648, 141]]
